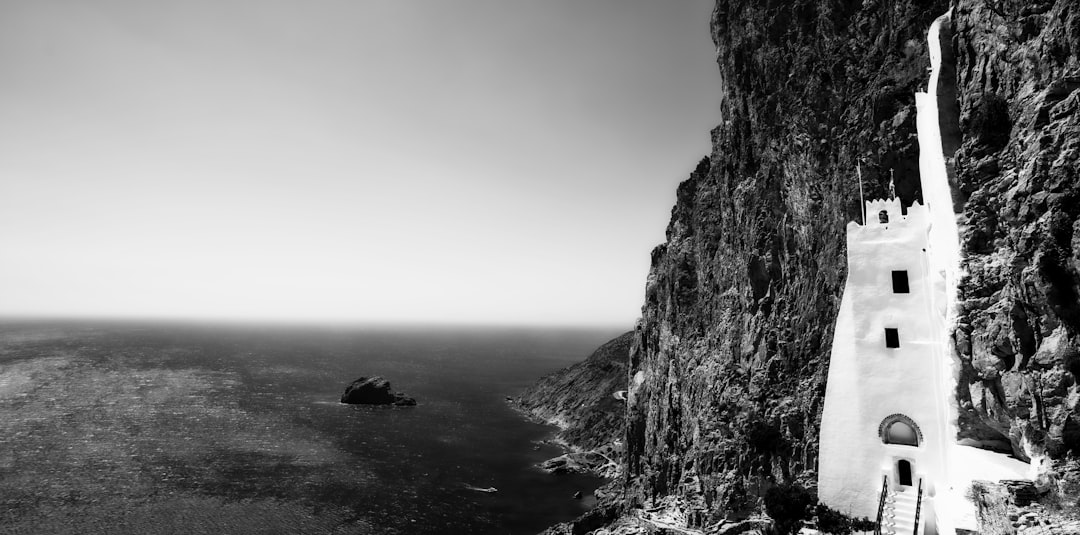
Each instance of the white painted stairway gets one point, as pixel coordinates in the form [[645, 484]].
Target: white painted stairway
[[898, 515]]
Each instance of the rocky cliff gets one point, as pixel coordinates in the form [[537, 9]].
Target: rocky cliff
[[730, 357], [728, 366]]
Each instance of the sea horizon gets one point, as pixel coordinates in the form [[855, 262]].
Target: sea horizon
[[329, 323]]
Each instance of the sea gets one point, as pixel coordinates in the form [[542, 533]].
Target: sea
[[153, 428]]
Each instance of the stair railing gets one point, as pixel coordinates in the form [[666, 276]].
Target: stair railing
[[881, 502], [918, 509]]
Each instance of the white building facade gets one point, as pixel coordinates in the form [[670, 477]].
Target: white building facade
[[880, 428]]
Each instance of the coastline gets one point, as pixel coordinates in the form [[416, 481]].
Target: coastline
[[582, 402], [600, 461]]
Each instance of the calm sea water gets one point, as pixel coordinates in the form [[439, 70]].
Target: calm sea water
[[152, 428]]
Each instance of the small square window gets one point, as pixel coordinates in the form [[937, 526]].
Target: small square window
[[892, 337], [900, 282]]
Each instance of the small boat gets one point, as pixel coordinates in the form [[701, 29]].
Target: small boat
[[488, 490]]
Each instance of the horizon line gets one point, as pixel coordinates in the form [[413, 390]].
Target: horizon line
[[331, 323]]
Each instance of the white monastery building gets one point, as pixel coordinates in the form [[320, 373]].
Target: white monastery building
[[888, 446], [883, 405]]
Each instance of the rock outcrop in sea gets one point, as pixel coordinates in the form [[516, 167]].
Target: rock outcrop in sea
[[374, 391], [727, 371]]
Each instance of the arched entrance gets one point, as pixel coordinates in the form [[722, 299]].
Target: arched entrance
[[903, 472]]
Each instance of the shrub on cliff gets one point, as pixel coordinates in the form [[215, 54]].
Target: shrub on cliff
[[787, 505], [990, 120], [832, 521]]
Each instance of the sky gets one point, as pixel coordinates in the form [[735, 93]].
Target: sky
[[437, 161]]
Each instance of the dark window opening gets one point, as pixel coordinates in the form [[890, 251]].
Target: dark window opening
[[883, 216], [892, 337], [903, 468], [900, 282]]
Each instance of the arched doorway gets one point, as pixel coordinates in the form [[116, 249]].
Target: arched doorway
[[903, 472]]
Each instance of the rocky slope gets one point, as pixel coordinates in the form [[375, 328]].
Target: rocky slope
[[729, 360], [585, 402]]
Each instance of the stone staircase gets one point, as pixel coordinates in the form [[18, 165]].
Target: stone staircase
[[898, 516]]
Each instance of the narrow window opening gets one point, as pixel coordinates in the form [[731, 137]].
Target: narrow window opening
[[883, 216], [900, 282], [892, 337]]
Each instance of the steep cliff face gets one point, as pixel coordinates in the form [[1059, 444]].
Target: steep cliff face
[[729, 364], [1018, 87]]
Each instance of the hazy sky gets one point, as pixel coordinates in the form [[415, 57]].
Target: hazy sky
[[495, 161]]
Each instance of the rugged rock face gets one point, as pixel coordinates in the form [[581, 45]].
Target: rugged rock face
[[1018, 81], [374, 391], [730, 358], [729, 361], [581, 399]]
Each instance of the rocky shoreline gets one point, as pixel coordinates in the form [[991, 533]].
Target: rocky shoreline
[[583, 402]]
